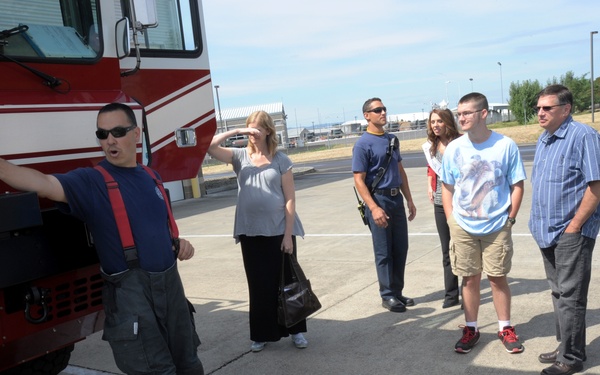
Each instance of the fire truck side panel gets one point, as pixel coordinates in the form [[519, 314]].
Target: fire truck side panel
[[50, 283]]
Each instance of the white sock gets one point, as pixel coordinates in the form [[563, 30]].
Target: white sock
[[472, 324], [502, 324]]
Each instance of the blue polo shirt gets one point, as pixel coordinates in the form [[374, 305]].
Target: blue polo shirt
[[564, 163], [370, 153], [87, 195]]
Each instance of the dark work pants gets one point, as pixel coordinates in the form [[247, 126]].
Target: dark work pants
[[568, 266], [450, 279], [149, 323], [390, 245]]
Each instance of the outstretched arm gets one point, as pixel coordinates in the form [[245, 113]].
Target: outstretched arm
[[27, 179]]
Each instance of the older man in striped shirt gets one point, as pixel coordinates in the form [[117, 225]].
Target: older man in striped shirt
[[565, 219]]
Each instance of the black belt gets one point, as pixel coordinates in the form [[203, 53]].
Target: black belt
[[391, 192]]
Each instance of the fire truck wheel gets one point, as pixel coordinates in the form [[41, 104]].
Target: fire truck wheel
[[49, 364]]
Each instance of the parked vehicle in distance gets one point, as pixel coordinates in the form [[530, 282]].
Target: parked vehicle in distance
[[336, 133], [239, 140], [393, 127]]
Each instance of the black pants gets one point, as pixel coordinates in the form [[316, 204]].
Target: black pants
[[262, 262], [450, 280]]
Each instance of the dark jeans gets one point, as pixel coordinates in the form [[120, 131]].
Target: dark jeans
[[568, 266], [390, 245], [450, 279]]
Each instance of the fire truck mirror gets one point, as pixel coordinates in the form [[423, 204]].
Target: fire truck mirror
[[185, 137], [122, 38]]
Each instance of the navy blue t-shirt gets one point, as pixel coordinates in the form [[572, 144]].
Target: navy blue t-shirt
[[88, 201], [370, 153]]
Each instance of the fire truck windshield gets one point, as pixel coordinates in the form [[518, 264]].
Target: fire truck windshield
[[52, 29]]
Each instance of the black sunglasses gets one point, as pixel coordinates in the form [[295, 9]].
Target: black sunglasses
[[378, 110], [116, 132], [547, 108]]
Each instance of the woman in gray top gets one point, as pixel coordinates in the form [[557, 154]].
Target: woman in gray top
[[266, 223]]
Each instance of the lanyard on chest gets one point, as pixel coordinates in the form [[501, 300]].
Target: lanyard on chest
[[120, 213]]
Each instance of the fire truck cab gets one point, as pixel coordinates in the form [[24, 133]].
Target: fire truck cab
[[61, 61]]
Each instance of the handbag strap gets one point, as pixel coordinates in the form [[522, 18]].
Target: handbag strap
[[296, 271]]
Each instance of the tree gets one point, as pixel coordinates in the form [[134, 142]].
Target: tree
[[580, 87], [523, 99]]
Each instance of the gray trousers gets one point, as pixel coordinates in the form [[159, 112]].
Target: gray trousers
[[149, 323], [568, 266]]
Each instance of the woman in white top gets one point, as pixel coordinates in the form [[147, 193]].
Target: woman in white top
[[441, 130]]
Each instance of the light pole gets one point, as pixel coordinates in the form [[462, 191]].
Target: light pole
[[471, 79], [447, 82], [501, 84], [219, 107], [592, 68]]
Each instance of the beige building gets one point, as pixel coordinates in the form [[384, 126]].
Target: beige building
[[236, 118]]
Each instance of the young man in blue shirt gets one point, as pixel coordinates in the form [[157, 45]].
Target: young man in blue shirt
[[482, 175]]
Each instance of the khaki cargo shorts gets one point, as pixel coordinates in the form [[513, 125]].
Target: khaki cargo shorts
[[470, 255]]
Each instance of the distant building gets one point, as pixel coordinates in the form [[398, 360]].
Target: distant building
[[297, 137], [232, 118]]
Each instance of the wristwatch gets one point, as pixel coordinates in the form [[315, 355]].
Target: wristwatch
[[512, 220]]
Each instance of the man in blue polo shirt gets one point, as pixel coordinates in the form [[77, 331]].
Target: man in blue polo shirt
[[565, 219], [381, 181]]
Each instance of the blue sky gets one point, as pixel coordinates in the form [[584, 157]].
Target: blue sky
[[322, 59]]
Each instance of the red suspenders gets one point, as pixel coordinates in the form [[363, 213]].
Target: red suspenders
[[116, 201]]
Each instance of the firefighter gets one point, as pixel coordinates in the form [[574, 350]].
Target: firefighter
[[149, 322]]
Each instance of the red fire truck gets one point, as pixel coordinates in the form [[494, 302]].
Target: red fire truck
[[60, 62]]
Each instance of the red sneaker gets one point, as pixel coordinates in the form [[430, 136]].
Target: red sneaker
[[510, 340], [468, 340]]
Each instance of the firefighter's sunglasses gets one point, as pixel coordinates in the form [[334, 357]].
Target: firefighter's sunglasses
[[116, 132]]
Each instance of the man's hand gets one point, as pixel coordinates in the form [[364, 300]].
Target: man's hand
[[380, 217], [186, 250], [412, 210]]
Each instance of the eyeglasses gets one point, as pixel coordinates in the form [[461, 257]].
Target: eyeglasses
[[378, 110], [116, 132], [547, 108], [467, 114]]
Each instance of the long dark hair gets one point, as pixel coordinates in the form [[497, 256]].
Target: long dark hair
[[451, 129]]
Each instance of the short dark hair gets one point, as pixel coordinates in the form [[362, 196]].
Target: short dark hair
[[367, 104], [562, 93], [480, 100], [120, 107]]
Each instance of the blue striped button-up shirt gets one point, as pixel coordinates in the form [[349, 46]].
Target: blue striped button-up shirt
[[565, 162]]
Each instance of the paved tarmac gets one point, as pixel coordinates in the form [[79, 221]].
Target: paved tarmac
[[352, 333]]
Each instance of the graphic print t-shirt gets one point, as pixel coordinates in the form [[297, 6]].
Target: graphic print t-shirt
[[482, 174]]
